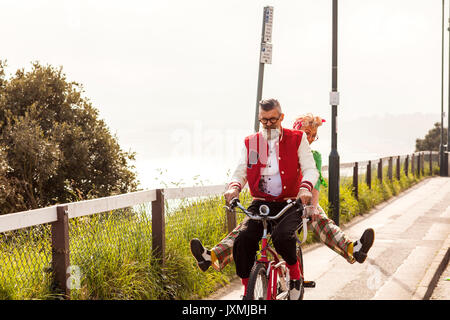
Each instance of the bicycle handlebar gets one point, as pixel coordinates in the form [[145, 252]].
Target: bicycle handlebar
[[264, 213], [264, 209]]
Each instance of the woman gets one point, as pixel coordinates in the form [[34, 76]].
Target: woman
[[328, 232]]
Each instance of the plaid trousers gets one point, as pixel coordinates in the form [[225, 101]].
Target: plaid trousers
[[327, 231]]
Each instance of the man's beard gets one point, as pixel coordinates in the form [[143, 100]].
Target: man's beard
[[271, 133]]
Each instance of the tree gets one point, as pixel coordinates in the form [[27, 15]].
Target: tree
[[53, 147], [432, 139]]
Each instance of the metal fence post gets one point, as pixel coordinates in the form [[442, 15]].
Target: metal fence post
[[355, 180], [390, 169], [158, 227], [431, 163], [446, 164], [369, 174], [60, 250], [418, 165], [398, 168], [422, 164], [380, 170], [231, 220], [406, 165]]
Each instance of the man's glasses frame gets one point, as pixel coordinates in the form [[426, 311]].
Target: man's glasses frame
[[272, 120]]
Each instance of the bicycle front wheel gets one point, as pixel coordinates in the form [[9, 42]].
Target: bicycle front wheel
[[300, 261], [257, 283]]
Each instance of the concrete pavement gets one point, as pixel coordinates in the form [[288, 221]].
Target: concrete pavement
[[411, 232]]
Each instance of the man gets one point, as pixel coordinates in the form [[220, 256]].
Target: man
[[272, 163]]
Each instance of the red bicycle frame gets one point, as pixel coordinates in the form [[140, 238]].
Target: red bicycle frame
[[274, 267]]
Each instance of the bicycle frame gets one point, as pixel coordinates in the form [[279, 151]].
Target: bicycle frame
[[276, 266], [273, 267]]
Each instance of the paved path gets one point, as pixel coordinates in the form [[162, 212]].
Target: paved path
[[410, 230]]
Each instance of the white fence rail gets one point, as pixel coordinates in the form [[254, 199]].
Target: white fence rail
[[25, 219], [88, 207]]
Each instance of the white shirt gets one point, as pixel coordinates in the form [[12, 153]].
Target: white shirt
[[270, 175]]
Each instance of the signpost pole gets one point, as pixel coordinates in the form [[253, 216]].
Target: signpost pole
[[265, 56]]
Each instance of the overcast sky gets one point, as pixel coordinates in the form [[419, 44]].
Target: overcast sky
[[176, 80]]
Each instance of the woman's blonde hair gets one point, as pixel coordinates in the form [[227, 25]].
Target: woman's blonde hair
[[308, 121]]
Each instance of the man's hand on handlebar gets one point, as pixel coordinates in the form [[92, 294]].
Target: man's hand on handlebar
[[231, 194], [305, 196]]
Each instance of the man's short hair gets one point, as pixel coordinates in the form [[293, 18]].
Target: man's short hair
[[269, 104]]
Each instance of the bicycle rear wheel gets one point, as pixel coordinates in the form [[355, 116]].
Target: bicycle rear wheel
[[257, 283]]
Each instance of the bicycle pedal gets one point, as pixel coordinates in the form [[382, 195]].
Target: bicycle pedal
[[309, 284]]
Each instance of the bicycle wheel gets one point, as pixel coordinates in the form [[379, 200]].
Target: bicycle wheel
[[283, 284], [300, 262], [300, 259], [257, 283]]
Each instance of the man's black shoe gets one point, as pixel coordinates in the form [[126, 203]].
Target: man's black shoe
[[362, 246], [294, 289], [202, 255]]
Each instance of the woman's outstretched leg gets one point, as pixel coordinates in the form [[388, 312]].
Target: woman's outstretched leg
[[334, 238]]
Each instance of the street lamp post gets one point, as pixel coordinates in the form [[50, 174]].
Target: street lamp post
[[441, 145], [447, 173], [333, 168]]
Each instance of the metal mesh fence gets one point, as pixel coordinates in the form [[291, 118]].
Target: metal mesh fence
[[201, 217], [104, 247], [105, 244], [388, 170], [25, 263]]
